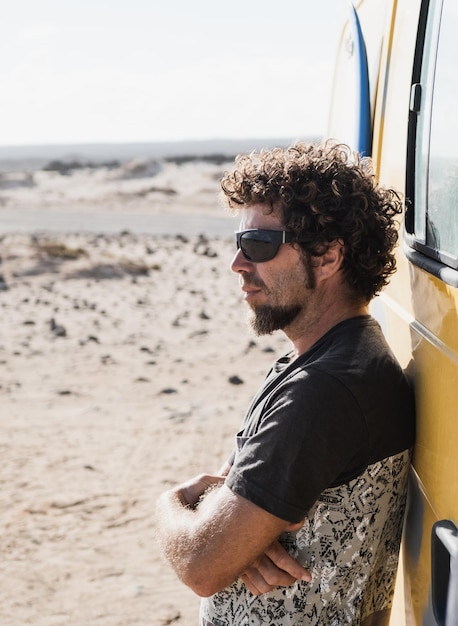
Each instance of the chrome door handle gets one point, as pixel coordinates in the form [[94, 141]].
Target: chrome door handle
[[444, 575]]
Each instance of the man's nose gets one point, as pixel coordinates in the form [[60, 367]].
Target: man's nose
[[240, 263]]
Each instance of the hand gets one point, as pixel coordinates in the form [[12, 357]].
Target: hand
[[191, 491], [274, 568]]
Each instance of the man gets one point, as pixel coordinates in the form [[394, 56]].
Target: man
[[303, 525]]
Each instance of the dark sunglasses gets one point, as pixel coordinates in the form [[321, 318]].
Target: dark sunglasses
[[259, 245]]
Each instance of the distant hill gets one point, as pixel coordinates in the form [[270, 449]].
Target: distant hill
[[15, 158]]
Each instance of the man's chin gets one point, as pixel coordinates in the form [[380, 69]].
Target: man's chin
[[265, 320], [259, 329]]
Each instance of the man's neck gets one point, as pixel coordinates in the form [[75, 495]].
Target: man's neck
[[304, 335]]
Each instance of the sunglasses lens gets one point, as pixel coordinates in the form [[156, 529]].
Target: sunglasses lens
[[258, 246]]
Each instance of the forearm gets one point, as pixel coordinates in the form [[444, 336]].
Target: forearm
[[189, 537], [212, 541], [175, 525]]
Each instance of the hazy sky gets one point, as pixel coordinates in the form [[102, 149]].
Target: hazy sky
[[143, 70]]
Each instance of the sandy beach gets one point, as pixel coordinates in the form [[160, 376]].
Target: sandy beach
[[127, 365]]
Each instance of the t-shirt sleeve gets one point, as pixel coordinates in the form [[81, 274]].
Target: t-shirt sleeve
[[310, 433]]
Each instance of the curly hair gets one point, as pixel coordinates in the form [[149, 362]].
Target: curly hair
[[325, 193]]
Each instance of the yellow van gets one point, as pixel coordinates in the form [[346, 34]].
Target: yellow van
[[395, 97]]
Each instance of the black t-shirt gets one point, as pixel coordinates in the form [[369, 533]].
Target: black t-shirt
[[322, 419]]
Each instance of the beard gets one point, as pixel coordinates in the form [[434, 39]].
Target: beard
[[266, 319]]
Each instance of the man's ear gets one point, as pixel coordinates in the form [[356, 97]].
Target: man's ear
[[331, 261]]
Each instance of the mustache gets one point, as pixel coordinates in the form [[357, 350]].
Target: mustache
[[252, 281]]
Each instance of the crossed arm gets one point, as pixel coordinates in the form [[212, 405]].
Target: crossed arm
[[211, 536]]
